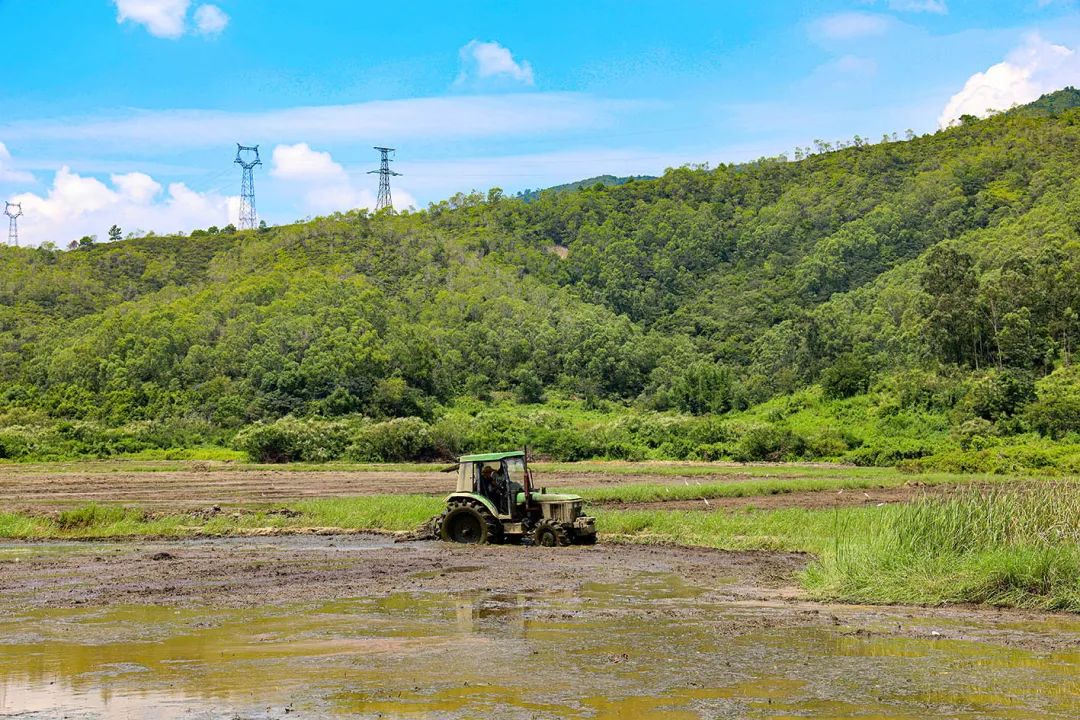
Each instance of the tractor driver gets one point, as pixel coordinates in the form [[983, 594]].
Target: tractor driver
[[493, 486]]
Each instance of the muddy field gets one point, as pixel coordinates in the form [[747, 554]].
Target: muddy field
[[359, 626], [362, 626], [201, 485], [256, 571]]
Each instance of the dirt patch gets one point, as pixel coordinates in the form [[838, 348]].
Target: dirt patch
[[259, 571], [163, 490], [254, 572]]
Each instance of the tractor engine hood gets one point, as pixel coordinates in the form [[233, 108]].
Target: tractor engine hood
[[539, 497]]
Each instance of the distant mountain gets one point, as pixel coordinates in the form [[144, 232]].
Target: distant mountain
[[606, 180]]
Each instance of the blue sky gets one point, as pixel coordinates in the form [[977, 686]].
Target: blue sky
[[128, 111]]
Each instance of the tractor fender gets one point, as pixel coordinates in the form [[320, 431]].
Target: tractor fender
[[474, 496]]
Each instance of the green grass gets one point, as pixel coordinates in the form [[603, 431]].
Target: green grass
[[1012, 546], [652, 492], [377, 512], [696, 469]]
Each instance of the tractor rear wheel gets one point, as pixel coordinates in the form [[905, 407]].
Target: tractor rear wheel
[[468, 523], [550, 534]]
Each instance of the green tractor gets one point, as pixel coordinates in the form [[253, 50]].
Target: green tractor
[[495, 502]]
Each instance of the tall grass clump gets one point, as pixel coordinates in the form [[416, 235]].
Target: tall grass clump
[[1017, 546]]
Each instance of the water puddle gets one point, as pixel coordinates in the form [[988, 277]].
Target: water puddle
[[654, 649]]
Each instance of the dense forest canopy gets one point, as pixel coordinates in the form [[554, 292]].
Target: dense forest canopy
[[942, 269]]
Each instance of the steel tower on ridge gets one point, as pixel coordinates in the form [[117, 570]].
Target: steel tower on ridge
[[384, 172], [247, 158], [13, 211]]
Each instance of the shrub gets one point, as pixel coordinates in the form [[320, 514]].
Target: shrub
[[769, 442], [703, 387], [291, 439], [998, 394], [885, 452], [848, 375], [394, 440], [13, 446], [1057, 409]]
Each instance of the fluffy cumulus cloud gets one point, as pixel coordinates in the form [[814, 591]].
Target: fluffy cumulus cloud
[[162, 18], [77, 205], [1037, 67], [169, 18], [300, 162], [491, 61], [7, 172], [325, 184]]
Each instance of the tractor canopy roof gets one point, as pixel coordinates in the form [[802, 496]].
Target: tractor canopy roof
[[490, 457]]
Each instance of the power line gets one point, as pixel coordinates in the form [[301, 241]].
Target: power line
[[13, 211], [248, 216], [384, 172]]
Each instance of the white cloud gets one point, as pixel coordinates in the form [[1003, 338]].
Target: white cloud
[[326, 185], [162, 18], [137, 187], [300, 162], [76, 205], [168, 18], [210, 20], [8, 173], [1035, 68], [851, 26], [439, 118], [927, 6], [490, 60]]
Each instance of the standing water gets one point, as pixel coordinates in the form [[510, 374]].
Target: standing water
[[658, 646]]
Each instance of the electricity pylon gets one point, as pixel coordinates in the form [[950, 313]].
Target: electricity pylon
[[384, 172], [13, 211], [248, 216]]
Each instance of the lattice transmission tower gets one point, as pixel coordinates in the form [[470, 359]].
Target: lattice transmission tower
[[13, 211], [384, 172], [247, 158]]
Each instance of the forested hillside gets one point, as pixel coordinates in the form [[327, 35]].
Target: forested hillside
[[884, 302]]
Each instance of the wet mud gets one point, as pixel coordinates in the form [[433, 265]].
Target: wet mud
[[357, 626]]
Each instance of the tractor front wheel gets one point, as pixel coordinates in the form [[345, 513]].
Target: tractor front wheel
[[550, 534], [469, 524]]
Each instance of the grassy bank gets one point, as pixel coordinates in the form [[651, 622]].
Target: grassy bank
[[1016, 546]]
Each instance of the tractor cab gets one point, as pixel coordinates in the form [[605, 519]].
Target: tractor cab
[[497, 478], [495, 501]]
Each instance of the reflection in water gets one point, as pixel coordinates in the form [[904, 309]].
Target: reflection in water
[[653, 649]]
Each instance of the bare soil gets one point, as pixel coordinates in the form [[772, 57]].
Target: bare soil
[[205, 484], [254, 572], [186, 488], [266, 570]]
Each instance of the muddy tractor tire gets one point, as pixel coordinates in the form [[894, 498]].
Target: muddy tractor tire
[[550, 534], [467, 523], [585, 539]]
